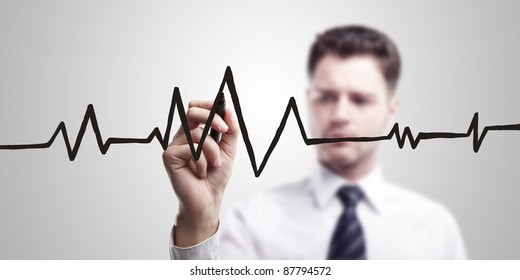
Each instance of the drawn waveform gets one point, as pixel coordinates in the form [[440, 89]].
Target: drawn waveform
[[176, 103]]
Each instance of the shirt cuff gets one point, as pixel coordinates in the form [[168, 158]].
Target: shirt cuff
[[205, 250]]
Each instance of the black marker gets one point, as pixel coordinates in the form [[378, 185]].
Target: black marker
[[221, 106]]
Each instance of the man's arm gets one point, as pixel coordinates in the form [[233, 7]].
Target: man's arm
[[205, 250], [234, 239], [199, 185]]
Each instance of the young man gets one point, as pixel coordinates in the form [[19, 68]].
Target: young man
[[345, 209]]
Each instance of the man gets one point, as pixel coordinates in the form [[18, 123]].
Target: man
[[345, 209]]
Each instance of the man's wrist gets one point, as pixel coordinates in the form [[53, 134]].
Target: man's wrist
[[190, 231]]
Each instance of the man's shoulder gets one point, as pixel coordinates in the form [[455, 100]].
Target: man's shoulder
[[419, 211], [406, 201]]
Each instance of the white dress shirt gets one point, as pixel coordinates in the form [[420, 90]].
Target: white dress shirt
[[296, 221]]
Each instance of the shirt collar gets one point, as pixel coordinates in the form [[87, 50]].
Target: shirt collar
[[324, 185]]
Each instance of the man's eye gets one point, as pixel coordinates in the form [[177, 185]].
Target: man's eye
[[325, 98], [360, 100]]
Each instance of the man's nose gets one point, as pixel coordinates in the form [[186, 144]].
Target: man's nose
[[342, 111]]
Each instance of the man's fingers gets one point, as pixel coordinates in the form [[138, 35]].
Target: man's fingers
[[201, 103], [201, 166], [228, 142], [180, 156], [177, 156], [198, 113], [210, 148], [197, 116]]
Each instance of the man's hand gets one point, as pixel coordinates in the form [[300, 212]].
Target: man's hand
[[199, 185]]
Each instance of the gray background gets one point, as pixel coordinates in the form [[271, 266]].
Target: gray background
[[125, 57]]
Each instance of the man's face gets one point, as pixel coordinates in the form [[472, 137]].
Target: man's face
[[349, 97]]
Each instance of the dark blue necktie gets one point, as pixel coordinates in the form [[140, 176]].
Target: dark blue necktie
[[348, 242]]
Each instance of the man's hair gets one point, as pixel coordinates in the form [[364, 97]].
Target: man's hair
[[353, 40]]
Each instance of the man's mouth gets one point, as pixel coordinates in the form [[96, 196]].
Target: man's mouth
[[340, 134]]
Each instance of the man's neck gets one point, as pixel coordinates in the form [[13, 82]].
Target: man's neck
[[353, 172]]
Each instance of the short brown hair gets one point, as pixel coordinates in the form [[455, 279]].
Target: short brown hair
[[352, 40]]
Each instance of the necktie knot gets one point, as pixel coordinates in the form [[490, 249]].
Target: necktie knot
[[350, 195]]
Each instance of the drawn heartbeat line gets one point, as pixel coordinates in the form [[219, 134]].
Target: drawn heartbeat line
[[90, 116]]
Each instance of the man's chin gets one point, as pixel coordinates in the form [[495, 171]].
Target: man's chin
[[339, 159]]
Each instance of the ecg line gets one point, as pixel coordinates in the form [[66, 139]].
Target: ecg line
[[176, 103]]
